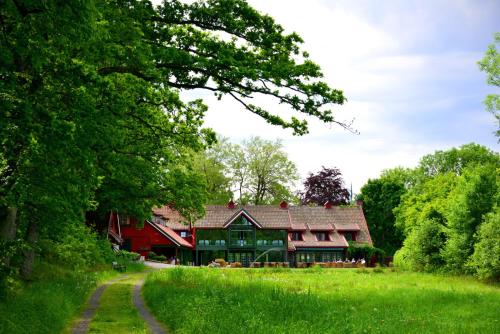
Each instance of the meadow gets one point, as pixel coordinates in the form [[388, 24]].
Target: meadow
[[53, 300], [203, 300]]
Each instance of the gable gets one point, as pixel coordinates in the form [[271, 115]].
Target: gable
[[242, 218]]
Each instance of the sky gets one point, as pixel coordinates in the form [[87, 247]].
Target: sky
[[408, 69]]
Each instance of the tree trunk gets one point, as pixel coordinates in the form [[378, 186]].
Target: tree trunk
[[29, 253], [8, 229]]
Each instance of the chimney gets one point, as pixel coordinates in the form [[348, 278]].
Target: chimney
[[359, 203], [328, 205], [231, 205], [283, 205]]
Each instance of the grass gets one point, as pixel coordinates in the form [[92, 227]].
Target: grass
[[201, 300], [55, 297], [116, 313]]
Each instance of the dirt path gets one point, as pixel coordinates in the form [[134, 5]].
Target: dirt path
[[154, 325], [83, 325]]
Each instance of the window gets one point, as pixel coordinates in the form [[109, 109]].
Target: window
[[350, 236], [161, 221], [296, 236], [242, 220], [124, 221], [184, 234], [322, 236]]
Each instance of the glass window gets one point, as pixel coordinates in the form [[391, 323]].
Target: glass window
[[271, 237], [322, 236], [350, 236], [241, 220], [242, 238], [296, 236], [183, 234]]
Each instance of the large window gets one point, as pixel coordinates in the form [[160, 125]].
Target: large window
[[211, 237], [322, 236], [241, 237], [271, 238], [296, 236]]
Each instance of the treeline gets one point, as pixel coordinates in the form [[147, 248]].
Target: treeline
[[442, 216]]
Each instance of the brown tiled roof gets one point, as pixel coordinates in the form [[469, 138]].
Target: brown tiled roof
[[346, 227], [347, 217], [174, 219], [268, 216], [309, 240], [301, 218]]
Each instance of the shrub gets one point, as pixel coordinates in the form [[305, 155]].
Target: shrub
[[80, 248], [358, 251], [422, 248], [485, 261], [128, 256]]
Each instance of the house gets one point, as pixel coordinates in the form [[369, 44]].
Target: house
[[261, 233]]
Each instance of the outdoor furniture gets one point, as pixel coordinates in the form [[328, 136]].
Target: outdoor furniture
[[235, 265], [221, 262], [118, 267]]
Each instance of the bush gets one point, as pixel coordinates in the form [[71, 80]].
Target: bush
[[485, 261], [80, 248], [128, 256], [365, 252], [422, 248]]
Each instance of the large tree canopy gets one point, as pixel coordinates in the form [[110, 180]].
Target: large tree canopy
[[380, 197], [442, 213], [261, 172], [491, 65], [92, 117], [325, 186]]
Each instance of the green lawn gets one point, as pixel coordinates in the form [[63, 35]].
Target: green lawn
[[202, 300]]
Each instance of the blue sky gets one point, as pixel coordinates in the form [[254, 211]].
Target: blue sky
[[408, 69]]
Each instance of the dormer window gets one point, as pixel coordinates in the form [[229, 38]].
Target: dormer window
[[350, 236], [161, 221], [296, 236], [322, 236]]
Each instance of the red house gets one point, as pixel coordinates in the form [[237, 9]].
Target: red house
[[149, 237]]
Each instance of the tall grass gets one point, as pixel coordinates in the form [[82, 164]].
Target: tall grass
[[199, 300], [48, 304]]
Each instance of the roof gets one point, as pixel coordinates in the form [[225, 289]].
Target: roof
[[170, 234], [292, 218], [309, 240], [175, 220]]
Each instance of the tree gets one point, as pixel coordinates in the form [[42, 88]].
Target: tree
[[441, 214], [485, 261], [262, 172], [491, 65], [455, 160], [380, 197], [91, 114], [474, 196], [325, 186], [211, 165]]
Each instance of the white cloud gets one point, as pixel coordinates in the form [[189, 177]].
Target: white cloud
[[408, 96]]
